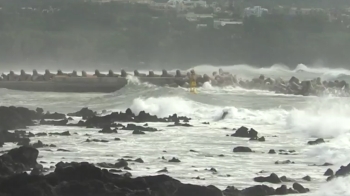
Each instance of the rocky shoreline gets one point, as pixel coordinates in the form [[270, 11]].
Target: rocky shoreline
[[21, 174]]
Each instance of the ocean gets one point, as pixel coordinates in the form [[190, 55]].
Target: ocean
[[287, 122]]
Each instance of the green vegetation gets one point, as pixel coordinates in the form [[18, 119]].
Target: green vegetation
[[118, 33]]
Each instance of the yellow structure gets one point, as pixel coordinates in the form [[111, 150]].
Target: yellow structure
[[193, 83]]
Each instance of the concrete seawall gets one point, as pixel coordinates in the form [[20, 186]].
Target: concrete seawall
[[84, 84]]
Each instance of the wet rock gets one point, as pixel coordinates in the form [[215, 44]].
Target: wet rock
[[198, 178], [331, 178], [178, 124], [63, 150], [242, 149], [127, 168], [329, 172], [128, 116], [86, 179], [116, 139], [298, 187], [39, 111], [16, 117], [231, 191], [96, 140], [54, 116], [212, 170], [18, 160], [41, 134], [285, 179], [307, 178], [284, 162], [283, 190], [261, 139], [121, 163], [343, 171], [273, 178], [164, 170], [39, 144], [19, 137], [108, 130], [65, 133], [115, 170], [85, 113], [286, 152], [23, 142], [139, 160], [174, 160], [134, 127], [317, 141], [35, 171], [261, 190], [138, 132], [272, 151], [245, 132]]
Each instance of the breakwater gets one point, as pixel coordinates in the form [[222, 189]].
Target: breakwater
[[111, 82], [72, 82]]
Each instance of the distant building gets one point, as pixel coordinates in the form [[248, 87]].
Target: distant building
[[186, 4], [201, 26], [257, 11], [218, 23], [180, 5], [190, 16]]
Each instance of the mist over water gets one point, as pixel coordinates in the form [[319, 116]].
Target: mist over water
[[293, 119]]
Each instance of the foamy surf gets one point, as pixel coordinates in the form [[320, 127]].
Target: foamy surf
[[287, 122]]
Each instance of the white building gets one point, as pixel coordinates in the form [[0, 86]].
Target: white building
[[186, 4], [190, 16], [257, 11], [223, 22]]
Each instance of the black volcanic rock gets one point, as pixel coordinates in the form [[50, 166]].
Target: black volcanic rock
[[108, 130], [242, 149], [342, 171], [329, 172], [65, 133], [134, 127], [16, 117], [18, 160], [273, 178], [245, 132], [19, 137], [272, 151], [178, 124], [40, 144], [53, 116], [88, 180], [317, 141], [138, 132], [128, 116], [85, 113]]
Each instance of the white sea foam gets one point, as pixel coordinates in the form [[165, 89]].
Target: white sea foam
[[269, 114], [336, 187]]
